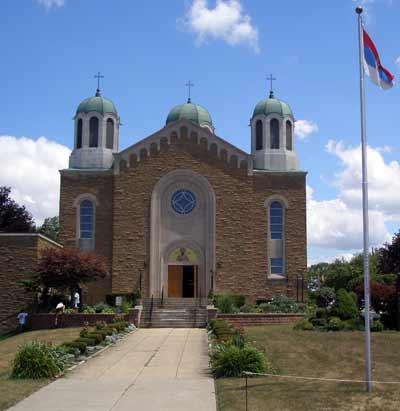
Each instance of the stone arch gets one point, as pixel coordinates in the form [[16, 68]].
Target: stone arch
[[184, 133], [123, 165], [214, 150], [153, 149], [196, 228], [233, 161], [164, 144], [133, 160], [223, 154], [204, 143], [143, 154], [174, 137], [194, 138]]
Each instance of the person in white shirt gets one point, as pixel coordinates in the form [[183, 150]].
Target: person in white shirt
[[22, 320], [76, 300]]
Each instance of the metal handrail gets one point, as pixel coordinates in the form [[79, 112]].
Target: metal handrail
[[162, 296], [151, 308]]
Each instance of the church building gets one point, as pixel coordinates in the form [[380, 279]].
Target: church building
[[183, 211]]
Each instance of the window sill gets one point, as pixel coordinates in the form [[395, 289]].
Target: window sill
[[276, 277]]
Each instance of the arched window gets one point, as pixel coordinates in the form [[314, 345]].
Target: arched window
[[289, 136], [79, 134], [86, 218], [259, 135], [276, 220], [274, 131], [110, 133], [94, 132]]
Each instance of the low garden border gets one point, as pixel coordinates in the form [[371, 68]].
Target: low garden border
[[240, 320], [48, 321]]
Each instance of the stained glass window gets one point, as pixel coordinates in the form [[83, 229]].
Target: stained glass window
[[183, 202], [86, 219], [276, 265], [276, 220]]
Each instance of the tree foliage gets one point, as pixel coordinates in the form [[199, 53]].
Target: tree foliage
[[389, 256], [13, 217], [50, 228], [66, 269]]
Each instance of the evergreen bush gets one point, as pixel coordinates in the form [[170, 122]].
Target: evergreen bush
[[345, 306], [335, 324], [228, 360], [377, 326], [80, 345]]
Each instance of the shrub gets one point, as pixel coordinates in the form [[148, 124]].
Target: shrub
[[222, 330], [69, 311], [248, 308], [86, 340], [98, 337], [227, 360], [335, 324], [80, 345], [345, 306], [281, 304], [377, 326], [86, 309], [224, 302], [37, 360], [325, 297], [318, 322], [353, 324], [238, 339], [125, 306], [304, 324]]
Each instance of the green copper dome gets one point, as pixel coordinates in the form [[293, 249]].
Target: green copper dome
[[272, 105], [97, 103], [191, 112]]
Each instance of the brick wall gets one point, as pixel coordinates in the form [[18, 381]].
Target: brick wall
[[73, 184], [249, 319], [18, 257]]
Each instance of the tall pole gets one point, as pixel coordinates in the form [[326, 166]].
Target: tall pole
[[365, 209]]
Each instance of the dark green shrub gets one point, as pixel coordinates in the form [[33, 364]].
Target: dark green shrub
[[221, 330], [318, 322], [248, 308], [227, 360], [98, 337], [37, 360], [80, 345], [324, 297], [84, 332], [86, 309], [281, 304], [335, 324], [377, 326], [86, 340], [354, 324], [119, 325], [238, 300], [304, 324], [345, 306]]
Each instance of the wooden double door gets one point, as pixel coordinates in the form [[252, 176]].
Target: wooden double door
[[182, 281]]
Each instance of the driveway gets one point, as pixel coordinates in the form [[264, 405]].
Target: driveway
[[151, 369]]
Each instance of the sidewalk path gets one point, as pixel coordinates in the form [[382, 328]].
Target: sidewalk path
[[151, 369]]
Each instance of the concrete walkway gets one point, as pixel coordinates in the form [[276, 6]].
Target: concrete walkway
[[151, 369]]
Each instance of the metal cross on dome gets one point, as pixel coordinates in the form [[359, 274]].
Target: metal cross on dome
[[189, 85], [98, 76], [271, 91]]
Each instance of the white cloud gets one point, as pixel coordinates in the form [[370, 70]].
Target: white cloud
[[333, 224], [226, 21], [30, 168], [397, 62], [303, 128], [49, 4], [383, 179]]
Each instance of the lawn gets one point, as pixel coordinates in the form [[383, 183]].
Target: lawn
[[12, 391], [317, 354]]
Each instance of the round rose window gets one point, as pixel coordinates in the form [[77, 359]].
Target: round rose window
[[183, 201]]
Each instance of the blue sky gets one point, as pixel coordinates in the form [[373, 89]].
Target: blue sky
[[148, 50]]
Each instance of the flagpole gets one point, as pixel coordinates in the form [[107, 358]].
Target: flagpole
[[359, 11]]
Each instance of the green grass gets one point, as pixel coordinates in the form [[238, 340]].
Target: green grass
[[317, 354], [12, 391]]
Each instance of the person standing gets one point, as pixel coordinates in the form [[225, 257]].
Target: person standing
[[22, 315], [76, 299]]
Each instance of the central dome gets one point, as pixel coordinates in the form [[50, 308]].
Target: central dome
[[192, 112]]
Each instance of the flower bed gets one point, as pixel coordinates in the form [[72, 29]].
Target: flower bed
[[240, 320]]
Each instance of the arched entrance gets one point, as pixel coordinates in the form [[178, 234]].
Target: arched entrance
[[182, 242], [183, 273]]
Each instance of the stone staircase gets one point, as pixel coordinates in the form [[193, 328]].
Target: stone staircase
[[173, 313]]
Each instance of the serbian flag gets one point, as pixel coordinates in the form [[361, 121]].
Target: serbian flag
[[373, 67]]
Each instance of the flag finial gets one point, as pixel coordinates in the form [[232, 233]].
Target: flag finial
[[359, 9]]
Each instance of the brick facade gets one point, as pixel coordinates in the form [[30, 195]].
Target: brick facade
[[19, 255], [122, 218]]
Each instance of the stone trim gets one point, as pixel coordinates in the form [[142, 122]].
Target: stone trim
[[43, 237]]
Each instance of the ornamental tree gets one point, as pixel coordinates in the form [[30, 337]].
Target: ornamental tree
[[13, 217], [68, 268], [389, 257]]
